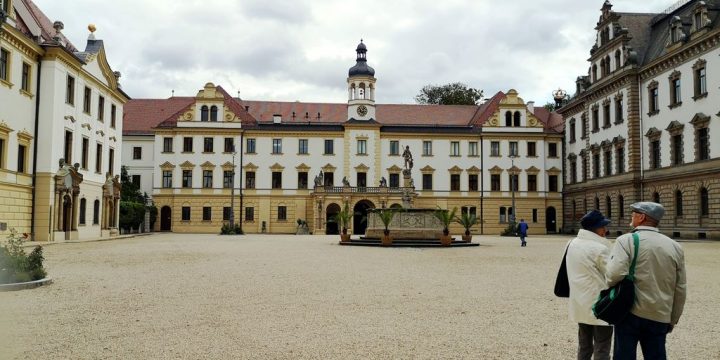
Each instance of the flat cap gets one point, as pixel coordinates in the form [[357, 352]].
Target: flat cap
[[651, 209]]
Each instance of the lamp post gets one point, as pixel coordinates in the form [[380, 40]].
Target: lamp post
[[512, 188]]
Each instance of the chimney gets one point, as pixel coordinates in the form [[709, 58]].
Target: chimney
[[531, 106]]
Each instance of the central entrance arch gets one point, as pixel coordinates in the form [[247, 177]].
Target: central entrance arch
[[360, 216], [331, 226], [165, 219]]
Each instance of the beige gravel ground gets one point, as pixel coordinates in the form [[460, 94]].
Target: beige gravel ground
[[304, 297]]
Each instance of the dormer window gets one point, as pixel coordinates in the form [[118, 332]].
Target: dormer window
[[700, 17], [204, 113], [508, 119], [618, 60], [516, 119], [5, 5], [676, 30], [214, 113]]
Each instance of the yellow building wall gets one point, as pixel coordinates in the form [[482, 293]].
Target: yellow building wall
[[15, 208]]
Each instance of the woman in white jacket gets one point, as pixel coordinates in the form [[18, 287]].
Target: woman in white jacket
[[587, 255]]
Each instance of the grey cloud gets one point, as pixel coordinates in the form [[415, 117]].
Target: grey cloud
[[285, 11]]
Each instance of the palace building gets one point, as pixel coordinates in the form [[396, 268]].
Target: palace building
[[209, 157], [60, 130], [640, 124]]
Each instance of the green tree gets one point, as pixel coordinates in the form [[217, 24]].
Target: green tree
[[449, 94], [132, 202], [129, 192]]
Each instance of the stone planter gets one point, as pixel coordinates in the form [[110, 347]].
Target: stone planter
[[467, 238], [344, 237], [446, 240], [387, 240]]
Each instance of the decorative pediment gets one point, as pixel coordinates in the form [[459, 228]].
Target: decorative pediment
[[514, 170], [473, 170], [532, 170], [362, 168], [605, 144], [512, 98], [700, 120], [277, 168], [70, 117], [618, 140], [594, 147], [554, 171], [250, 167], [455, 170], [229, 115], [113, 139], [24, 136], [68, 178], [675, 127], [86, 126], [653, 132], [394, 169], [228, 166], [100, 132], [207, 165], [302, 168], [210, 93], [496, 170], [167, 166], [187, 165], [4, 128], [572, 157], [427, 169], [329, 168], [583, 152]]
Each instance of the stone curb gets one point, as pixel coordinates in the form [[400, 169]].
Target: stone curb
[[25, 285], [30, 244]]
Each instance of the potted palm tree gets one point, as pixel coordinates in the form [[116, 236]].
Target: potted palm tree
[[446, 218], [343, 219], [386, 216], [467, 221]]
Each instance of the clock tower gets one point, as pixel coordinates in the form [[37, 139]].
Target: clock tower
[[361, 87]]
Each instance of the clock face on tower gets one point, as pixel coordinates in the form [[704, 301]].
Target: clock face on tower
[[362, 110]]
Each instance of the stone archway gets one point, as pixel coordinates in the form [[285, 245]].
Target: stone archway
[[360, 216], [166, 218], [331, 226]]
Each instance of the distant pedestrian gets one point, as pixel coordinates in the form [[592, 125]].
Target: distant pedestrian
[[522, 229], [660, 285], [585, 261]]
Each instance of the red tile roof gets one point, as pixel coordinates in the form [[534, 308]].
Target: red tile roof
[[140, 116], [46, 25], [552, 120]]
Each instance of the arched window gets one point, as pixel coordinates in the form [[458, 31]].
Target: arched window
[[503, 214], [656, 197], [608, 207], [213, 113], [508, 119], [621, 207], [618, 60], [597, 203], [516, 119], [607, 65], [602, 68], [361, 91], [204, 113], [96, 212], [678, 203], [83, 211], [594, 73], [704, 202]]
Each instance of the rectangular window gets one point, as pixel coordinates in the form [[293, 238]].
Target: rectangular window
[[677, 144], [455, 182], [495, 148], [113, 115], [654, 105], [532, 182], [98, 158], [329, 148], [303, 146], [534, 215], [111, 161], [276, 180], [229, 145], [207, 179], [22, 155], [4, 65], [596, 166], [585, 168], [394, 147], [250, 146], [655, 154], [675, 94], [277, 146], [207, 213], [553, 183], [2, 153], [249, 214], [329, 179], [619, 111], [394, 180], [85, 152], [514, 148], [514, 181], [167, 179], [187, 144], [137, 153], [454, 148], [552, 150], [608, 163], [595, 119], [302, 180], [5, 6], [361, 179], [427, 148], [282, 213], [136, 180], [208, 144], [531, 151], [101, 108], [25, 84], [606, 115], [228, 180], [427, 181], [68, 147], [620, 160], [573, 172], [185, 213], [167, 145], [187, 178], [572, 131], [703, 144], [473, 182], [87, 95], [495, 182], [362, 147], [249, 179], [473, 148], [700, 82], [70, 90], [226, 213]]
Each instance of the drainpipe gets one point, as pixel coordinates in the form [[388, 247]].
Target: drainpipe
[[35, 151]]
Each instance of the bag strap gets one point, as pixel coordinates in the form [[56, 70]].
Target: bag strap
[[636, 241]]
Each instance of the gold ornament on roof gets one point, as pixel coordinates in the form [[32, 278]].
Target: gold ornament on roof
[[92, 28]]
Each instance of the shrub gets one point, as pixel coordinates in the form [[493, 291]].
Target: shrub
[[15, 265], [228, 229]]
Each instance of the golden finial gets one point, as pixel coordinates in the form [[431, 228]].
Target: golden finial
[[92, 28]]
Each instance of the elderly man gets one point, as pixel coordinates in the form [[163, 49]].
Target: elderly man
[[659, 284], [585, 263]]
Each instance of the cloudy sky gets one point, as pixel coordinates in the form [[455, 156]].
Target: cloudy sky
[[301, 49]]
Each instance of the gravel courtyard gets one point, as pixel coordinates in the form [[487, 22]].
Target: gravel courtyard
[[171, 296]]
